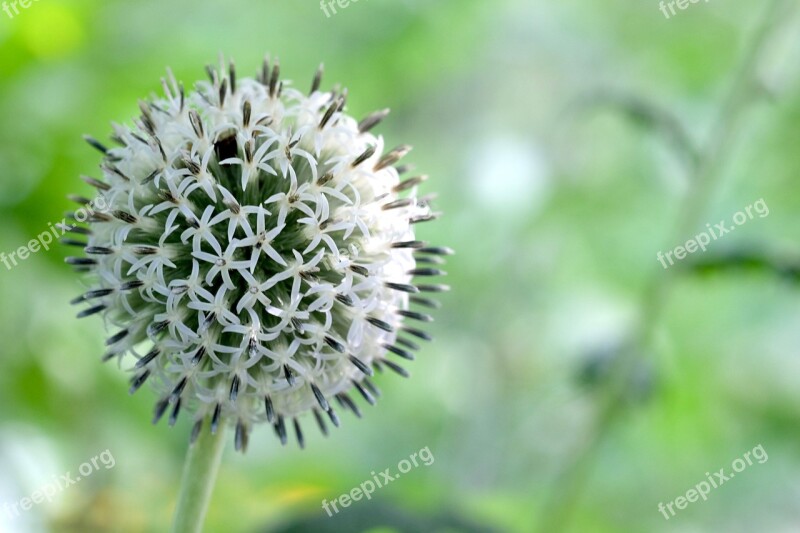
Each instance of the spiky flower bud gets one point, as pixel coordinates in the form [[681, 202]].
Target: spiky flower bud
[[257, 253]]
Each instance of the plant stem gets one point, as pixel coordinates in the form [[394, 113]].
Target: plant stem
[[707, 175], [199, 476]]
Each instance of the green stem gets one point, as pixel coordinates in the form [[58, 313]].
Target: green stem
[[199, 476], [707, 174]]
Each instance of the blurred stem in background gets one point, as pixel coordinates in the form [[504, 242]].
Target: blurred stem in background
[[706, 175], [199, 477]]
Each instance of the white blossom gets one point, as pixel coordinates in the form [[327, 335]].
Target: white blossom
[[258, 252]]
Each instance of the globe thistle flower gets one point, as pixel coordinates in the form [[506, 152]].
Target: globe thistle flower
[[257, 255]]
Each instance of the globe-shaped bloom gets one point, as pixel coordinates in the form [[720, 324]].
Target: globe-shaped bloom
[[252, 248]]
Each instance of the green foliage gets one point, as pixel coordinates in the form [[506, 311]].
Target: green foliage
[[550, 265]]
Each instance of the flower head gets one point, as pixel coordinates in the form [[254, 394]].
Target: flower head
[[257, 255]]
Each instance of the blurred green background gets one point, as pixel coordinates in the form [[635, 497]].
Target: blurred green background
[[556, 216]]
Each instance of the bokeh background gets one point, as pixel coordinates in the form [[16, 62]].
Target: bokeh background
[[556, 206]]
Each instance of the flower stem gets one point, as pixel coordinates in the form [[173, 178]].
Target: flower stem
[[199, 476], [706, 177]]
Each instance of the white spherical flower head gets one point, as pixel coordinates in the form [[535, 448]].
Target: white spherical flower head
[[255, 253]]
